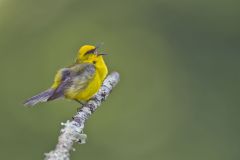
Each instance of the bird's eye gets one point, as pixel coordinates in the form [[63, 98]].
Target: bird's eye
[[94, 62], [90, 51]]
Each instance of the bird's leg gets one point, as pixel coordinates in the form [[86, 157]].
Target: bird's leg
[[79, 101], [93, 98], [79, 108]]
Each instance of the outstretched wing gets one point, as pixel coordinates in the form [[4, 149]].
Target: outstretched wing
[[73, 79]]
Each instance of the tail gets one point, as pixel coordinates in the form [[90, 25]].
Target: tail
[[41, 97]]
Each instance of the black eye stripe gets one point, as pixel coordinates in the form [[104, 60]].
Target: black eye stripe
[[90, 51]]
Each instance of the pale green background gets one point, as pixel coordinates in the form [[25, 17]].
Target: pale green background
[[178, 98]]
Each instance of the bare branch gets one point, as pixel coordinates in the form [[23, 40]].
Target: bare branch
[[72, 131]]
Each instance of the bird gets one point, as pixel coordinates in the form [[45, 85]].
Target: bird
[[79, 81]]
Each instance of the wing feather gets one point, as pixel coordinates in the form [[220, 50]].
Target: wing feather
[[73, 79]]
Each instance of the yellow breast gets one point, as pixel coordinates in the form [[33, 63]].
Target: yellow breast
[[90, 90]]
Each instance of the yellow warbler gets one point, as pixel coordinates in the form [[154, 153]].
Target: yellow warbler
[[79, 81]]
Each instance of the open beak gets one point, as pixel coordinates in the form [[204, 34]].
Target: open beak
[[101, 54], [96, 50]]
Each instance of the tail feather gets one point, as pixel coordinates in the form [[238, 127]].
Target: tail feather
[[41, 97]]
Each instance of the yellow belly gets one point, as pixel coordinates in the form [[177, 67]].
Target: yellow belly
[[90, 90]]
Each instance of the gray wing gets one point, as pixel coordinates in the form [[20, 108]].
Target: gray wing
[[81, 75], [75, 78]]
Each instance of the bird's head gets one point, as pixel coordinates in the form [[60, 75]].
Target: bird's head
[[88, 53]]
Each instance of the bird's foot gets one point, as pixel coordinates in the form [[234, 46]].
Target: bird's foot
[[79, 102]]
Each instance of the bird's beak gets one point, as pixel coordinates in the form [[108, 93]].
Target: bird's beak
[[102, 54], [99, 54], [96, 50]]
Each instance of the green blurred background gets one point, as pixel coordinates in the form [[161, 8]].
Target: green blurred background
[[178, 98]]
